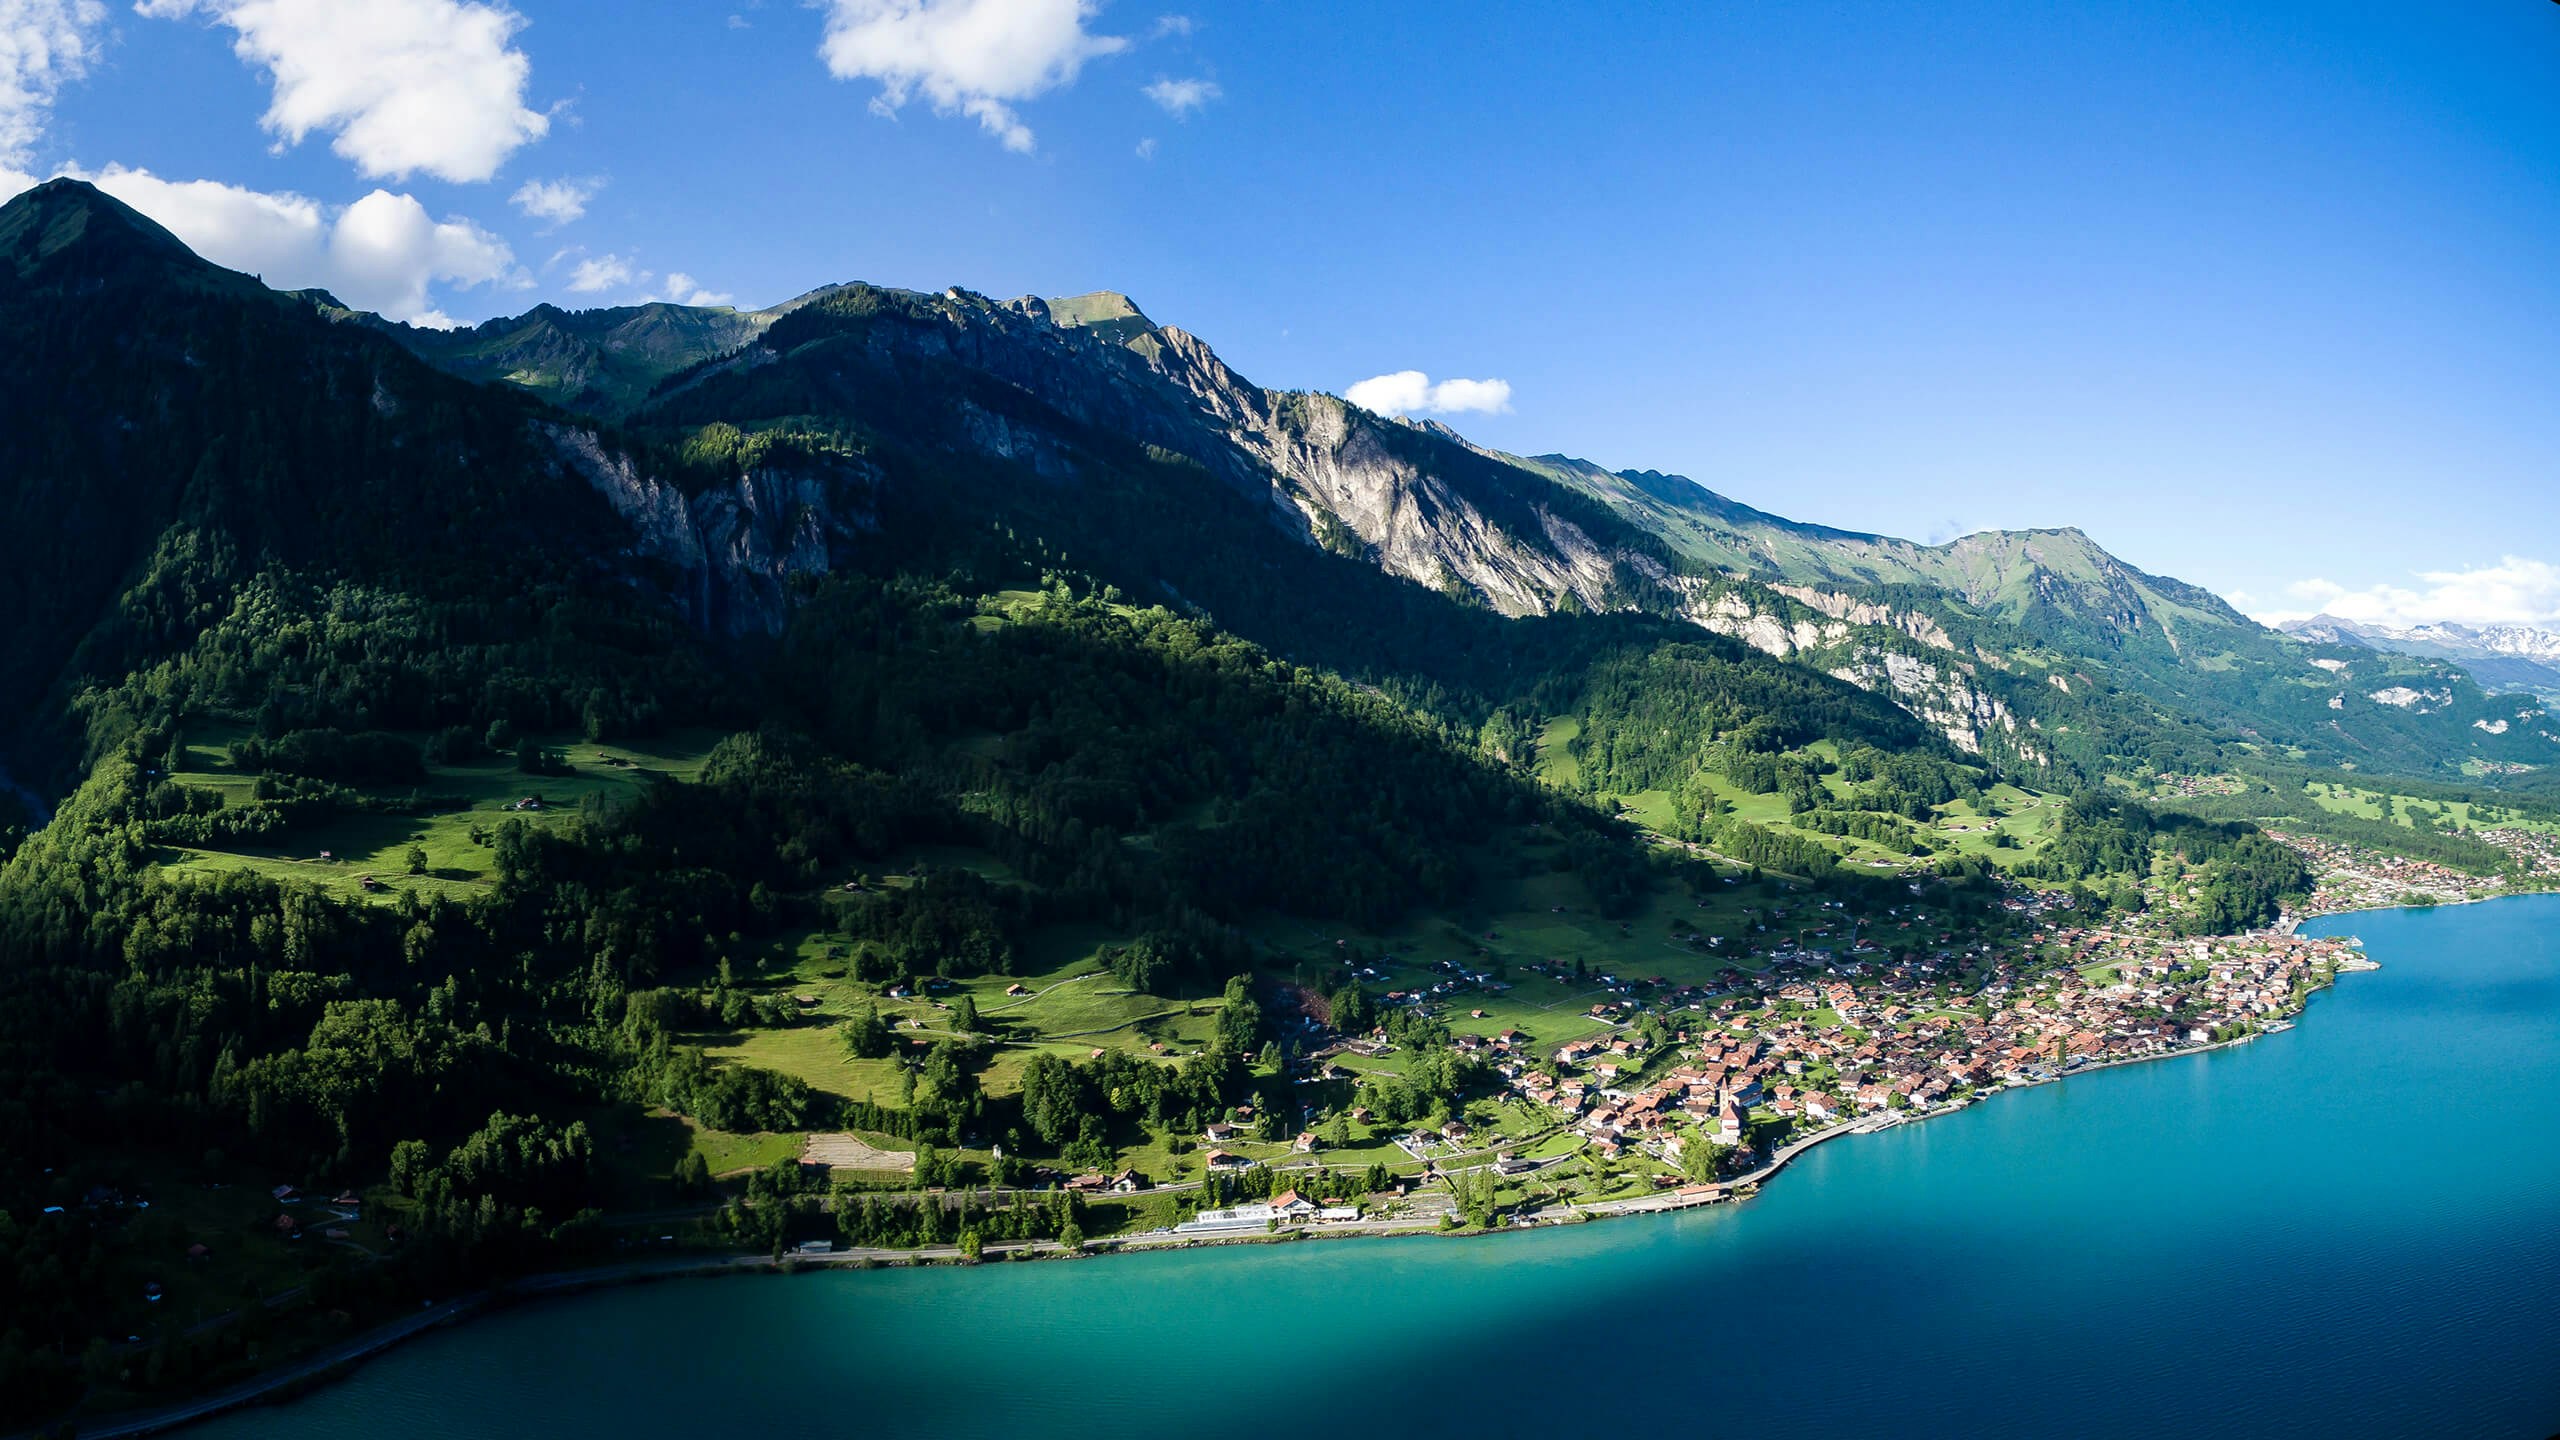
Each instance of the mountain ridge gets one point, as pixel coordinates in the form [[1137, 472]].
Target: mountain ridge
[[2000, 638], [2036, 649]]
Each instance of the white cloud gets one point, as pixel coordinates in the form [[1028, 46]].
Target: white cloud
[[1171, 25], [1410, 392], [604, 272], [382, 253], [1147, 148], [1180, 97], [44, 45], [2515, 591], [406, 85], [977, 57], [683, 289], [555, 201]]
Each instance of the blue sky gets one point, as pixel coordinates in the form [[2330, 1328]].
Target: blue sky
[[2264, 296]]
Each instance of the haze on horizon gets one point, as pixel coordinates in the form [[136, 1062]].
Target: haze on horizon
[[2261, 300]]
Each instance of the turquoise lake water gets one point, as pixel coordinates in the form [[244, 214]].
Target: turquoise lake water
[[2349, 1229]]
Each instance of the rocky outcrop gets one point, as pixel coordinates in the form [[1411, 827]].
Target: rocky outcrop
[[731, 548]]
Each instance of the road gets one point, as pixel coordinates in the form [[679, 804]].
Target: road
[[283, 1377]]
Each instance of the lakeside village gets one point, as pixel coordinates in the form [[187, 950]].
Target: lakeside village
[[1704, 1093], [2354, 879]]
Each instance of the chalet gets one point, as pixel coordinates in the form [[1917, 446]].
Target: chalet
[[1305, 1144], [1127, 1182], [1290, 1205], [1017, 988], [1220, 1130], [1222, 1160]]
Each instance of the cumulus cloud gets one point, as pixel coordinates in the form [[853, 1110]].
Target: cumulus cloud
[[599, 273], [2514, 591], [555, 202], [977, 57], [1147, 148], [405, 85], [683, 289], [383, 253], [1410, 392], [1179, 98], [44, 45]]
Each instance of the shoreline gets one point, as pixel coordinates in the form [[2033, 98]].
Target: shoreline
[[337, 1361]]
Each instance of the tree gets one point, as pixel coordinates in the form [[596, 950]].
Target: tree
[[964, 1016], [1240, 1021], [867, 1036], [692, 1174], [417, 858], [1051, 1098]]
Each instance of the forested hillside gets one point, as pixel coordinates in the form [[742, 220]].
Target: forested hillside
[[954, 723]]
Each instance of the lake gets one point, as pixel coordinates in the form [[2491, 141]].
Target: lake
[[2349, 1229]]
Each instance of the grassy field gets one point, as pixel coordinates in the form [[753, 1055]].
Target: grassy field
[[2025, 816], [2365, 803], [1530, 925], [454, 800]]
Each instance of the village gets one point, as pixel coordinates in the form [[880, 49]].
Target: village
[[2353, 878], [1781, 1057], [1703, 1091]]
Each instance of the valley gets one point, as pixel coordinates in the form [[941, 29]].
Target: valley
[[927, 773]]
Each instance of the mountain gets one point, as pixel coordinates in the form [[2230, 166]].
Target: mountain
[[2037, 649], [2514, 659], [498, 772], [601, 360]]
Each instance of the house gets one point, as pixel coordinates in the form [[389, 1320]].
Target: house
[[1224, 1160], [1220, 1130], [1091, 1182], [286, 1195], [286, 1227], [1127, 1182], [1017, 988], [1290, 1205], [1305, 1144]]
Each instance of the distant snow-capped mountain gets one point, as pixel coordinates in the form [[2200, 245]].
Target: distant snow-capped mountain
[[2500, 657]]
